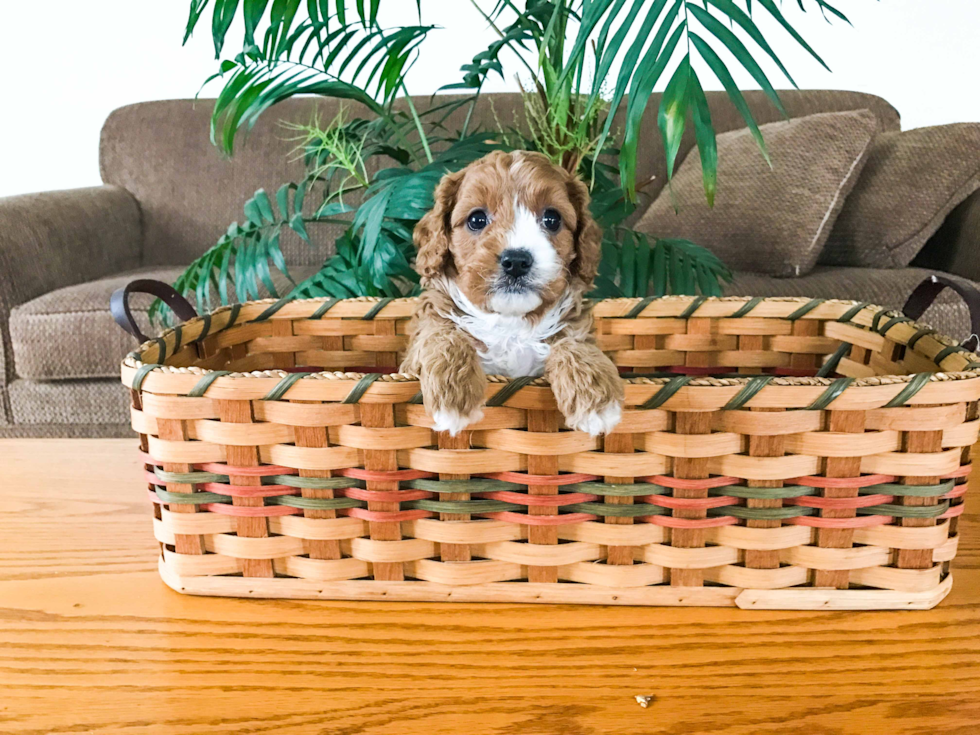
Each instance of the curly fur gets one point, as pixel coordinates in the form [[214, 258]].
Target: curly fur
[[460, 269]]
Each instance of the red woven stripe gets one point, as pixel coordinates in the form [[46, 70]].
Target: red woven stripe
[[671, 522], [526, 520], [863, 501], [522, 478], [862, 481], [954, 510], [859, 522], [387, 496], [390, 516], [957, 492], [666, 501], [684, 484], [382, 475]]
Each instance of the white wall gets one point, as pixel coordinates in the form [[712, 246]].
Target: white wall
[[69, 63]]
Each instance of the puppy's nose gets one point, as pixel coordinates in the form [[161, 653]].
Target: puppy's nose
[[516, 262]]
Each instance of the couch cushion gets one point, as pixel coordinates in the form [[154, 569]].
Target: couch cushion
[[888, 288], [910, 182], [69, 333], [91, 402], [768, 220]]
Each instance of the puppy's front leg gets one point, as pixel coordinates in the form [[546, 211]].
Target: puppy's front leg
[[586, 385], [453, 382]]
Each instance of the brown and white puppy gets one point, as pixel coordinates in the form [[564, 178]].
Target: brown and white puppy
[[506, 255]]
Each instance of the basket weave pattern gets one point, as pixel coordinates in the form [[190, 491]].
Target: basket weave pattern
[[789, 445]]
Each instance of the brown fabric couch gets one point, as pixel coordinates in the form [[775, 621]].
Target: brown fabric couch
[[168, 195]]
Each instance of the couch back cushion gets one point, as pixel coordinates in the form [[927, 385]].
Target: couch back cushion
[[189, 192]]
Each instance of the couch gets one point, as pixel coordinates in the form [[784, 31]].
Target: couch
[[167, 195]]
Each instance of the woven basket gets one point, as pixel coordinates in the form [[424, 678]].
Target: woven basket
[[798, 454]]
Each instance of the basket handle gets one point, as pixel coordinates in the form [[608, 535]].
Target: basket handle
[[123, 316], [926, 292]]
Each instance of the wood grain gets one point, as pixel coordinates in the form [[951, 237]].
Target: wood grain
[[91, 641]]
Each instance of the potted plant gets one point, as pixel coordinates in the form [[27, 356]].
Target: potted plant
[[578, 63]]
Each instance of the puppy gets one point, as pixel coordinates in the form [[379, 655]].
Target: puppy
[[506, 255]]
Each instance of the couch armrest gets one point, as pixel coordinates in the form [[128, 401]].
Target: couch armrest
[[955, 248], [60, 238]]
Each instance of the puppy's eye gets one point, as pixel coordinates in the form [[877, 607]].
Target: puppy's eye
[[477, 220], [551, 220]]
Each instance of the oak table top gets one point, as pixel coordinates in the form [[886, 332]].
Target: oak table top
[[92, 641]]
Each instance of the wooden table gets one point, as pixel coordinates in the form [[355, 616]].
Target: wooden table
[[92, 641]]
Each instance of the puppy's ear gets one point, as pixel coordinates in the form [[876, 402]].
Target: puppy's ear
[[434, 231], [588, 234]]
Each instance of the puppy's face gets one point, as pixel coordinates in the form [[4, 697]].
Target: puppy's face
[[512, 231]]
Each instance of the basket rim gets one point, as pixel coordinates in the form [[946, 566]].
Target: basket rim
[[864, 315]]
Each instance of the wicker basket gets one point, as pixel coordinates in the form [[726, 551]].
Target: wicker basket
[[743, 477]]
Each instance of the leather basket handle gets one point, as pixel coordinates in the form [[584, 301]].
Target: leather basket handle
[[926, 292], [119, 304]]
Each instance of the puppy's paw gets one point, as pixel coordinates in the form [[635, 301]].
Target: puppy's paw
[[446, 419], [600, 421]]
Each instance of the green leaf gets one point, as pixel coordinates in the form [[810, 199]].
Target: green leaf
[[265, 206], [719, 69], [705, 136], [297, 225], [775, 13], [197, 8], [642, 265], [673, 112], [253, 11], [627, 266], [748, 25], [738, 50], [282, 200], [224, 14]]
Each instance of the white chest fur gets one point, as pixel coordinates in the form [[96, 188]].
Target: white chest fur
[[513, 346]]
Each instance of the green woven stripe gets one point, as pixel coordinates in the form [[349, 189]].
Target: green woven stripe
[[693, 307], [475, 485], [853, 312], [876, 319], [373, 311], [762, 514], [913, 491], [273, 309], [762, 493], [943, 354], [919, 335], [189, 478], [190, 498], [324, 308], [294, 501], [361, 388], [233, 316], [834, 360], [502, 395], [905, 511], [891, 323], [666, 391], [638, 309], [911, 388], [748, 392], [463, 506], [617, 511], [178, 336], [141, 374], [805, 309], [417, 398], [201, 387], [830, 395], [206, 329], [746, 307], [284, 385], [617, 490], [312, 483]]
